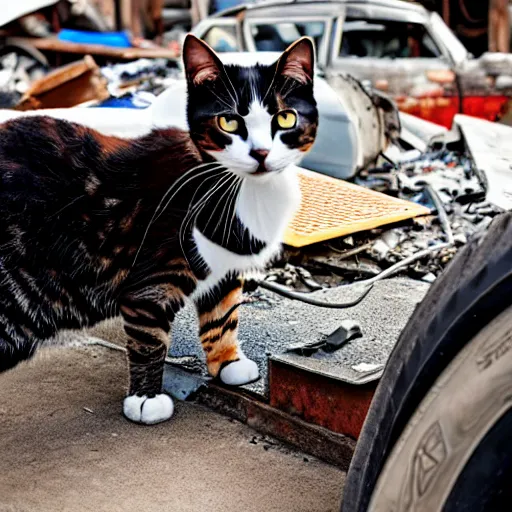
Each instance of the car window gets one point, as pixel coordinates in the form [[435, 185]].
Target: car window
[[276, 37], [386, 39], [222, 38]]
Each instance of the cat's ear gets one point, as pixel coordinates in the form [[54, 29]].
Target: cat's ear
[[200, 61], [298, 60]]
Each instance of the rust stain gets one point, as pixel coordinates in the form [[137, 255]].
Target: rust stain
[[323, 401]]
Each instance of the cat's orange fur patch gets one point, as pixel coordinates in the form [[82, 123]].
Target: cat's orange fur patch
[[224, 354], [110, 144]]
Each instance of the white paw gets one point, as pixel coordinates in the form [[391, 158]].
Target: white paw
[[142, 409], [239, 372]]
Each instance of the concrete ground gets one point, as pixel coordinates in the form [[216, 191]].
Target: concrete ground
[[64, 446]]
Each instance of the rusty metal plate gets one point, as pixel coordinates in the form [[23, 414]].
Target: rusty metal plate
[[331, 367], [318, 399]]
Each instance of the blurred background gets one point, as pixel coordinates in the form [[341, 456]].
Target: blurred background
[[434, 58], [481, 26]]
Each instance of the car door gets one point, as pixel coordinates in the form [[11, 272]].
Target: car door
[[394, 51]]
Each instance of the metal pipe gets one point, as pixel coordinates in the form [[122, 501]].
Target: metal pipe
[[441, 212]]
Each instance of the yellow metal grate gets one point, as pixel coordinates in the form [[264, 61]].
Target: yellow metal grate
[[331, 208]]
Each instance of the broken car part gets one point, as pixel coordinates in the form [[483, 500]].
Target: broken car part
[[347, 331]]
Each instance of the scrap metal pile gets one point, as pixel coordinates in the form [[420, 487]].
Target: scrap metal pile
[[148, 75], [44, 44], [83, 83], [444, 180]]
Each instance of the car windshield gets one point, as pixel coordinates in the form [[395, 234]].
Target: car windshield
[[276, 37], [381, 39]]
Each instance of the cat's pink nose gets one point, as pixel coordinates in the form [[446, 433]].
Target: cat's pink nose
[[259, 155]]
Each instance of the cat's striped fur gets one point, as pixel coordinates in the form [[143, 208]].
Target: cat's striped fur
[[92, 226]]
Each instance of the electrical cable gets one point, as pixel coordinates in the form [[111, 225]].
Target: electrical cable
[[306, 298]]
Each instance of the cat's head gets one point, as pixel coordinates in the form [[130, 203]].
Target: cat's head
[[254, 120]]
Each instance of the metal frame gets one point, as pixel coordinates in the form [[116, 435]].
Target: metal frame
[[337, 38], [455, 52]]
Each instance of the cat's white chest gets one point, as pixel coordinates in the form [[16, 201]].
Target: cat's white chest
[[265, 207]]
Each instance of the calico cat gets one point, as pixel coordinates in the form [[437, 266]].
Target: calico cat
[[93, 226]]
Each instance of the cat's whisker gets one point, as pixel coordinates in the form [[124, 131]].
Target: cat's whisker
[[157, 213], [192, 201], [222, 100], [217, 205], [288, 86], [159, 209], [196, 208], [67, 206], [216, 168], [226, 210], [228, 189], [235, 98], [270, 87], [232, 194], [229, 204], [224, 178], [196, 211], [235, 200]]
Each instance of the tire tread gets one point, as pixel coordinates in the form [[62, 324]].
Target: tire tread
[[465, 278]]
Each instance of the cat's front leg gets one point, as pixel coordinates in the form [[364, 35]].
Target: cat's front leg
[[218, 329], [147, 328]]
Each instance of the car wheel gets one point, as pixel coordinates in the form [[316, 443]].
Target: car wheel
[[438, 432]]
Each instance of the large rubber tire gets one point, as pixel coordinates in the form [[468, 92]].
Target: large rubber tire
[[472, 294]]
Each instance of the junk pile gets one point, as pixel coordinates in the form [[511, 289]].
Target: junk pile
[[409, 217], [40, 37], [17, 73], [74, 84], [83, 83], [142, 75]]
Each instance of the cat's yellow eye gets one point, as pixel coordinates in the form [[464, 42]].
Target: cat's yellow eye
[[286, 120], [228, 125]]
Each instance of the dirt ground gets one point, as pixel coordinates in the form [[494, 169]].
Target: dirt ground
[[64, 446]]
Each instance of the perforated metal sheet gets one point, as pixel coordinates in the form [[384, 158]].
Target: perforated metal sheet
[[331, 208]]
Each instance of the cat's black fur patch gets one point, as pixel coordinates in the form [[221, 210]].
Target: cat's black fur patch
[[234, 93], [72, 215]]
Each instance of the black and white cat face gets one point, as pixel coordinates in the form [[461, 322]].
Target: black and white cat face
[[254, 120]]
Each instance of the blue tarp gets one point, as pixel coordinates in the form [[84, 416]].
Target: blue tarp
[[116, 39]]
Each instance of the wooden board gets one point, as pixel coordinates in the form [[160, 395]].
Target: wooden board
[[55, 45]]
